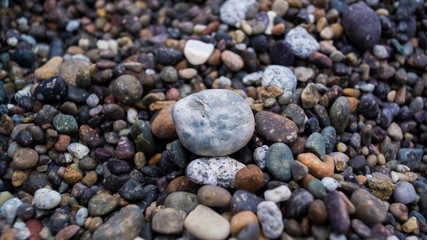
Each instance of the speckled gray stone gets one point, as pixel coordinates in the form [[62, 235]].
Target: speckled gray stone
[[213, 122], [404, 192], [45, 198], [280, 76], [271, 219], [233, 11], [218, 171], [259, 156], [302, 43]]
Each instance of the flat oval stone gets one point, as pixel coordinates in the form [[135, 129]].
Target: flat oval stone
[[271, 219], [198, 52], [369, 209], [169, 221], [340, 114], [205, 223], [404, 192], [214, 196], [364, 34], [219, 171], [213, 122], [182, 201], [24, 158], [278, 161], [275, 127]]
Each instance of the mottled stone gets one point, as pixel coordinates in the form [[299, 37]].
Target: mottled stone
[[213, 122], [369, 209], [340, 114], [280, 76], [234, 11], [301, 42], [219, 171], [127, 89], [24, 159], [275, 127], [278, 161], [126, 224], [270, 218], [214, 196], [45, 198], [169, 221]]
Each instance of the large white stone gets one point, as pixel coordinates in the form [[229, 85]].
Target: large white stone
[[198, 52], [214, 122], [45, 198]]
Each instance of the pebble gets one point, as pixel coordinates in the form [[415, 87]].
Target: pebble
[[205, 223], [127, 89], [225, 169], [330, 184], [226, 127], [232, 60], [214, 196], [363, 36], [163, 125], [299, 170], [240, 220], [301, 42], [45, 198], [315, 143], [126, 224], [169, 221], [65, 124], [369, 209], [250, 232], [316, 188], [9, 209], [281, 53], [101, 204], [297, 206], [279, 194], [52, 89], [243, 200], [280, 76], [78, 150], [70, 68], [198, 52], [275, 127], [234, 11], [249, 178], [81, 216], [278, 161], [259, 156], [404, 192], [270, 218], [49, 69], [182, 201], [329, 138], [24, 159], [132, 190], [340, 114], [316, 167]]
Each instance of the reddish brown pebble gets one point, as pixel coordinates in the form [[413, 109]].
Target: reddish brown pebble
[[62, 143], [249, 178], [275, 127]]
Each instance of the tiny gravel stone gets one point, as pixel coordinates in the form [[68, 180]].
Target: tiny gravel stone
[[270, 218], [226, 127], [301, 42], [45, 198]]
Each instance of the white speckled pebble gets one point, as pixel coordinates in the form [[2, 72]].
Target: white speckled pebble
[[279, 194], [270, 218], [330, 183], [259, 156], [219, 171], [234, 11], [280, 76], [45, 198], [78, 150], [302, 43]]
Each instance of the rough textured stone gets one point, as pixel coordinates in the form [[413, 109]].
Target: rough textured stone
[[301, 42], [275, 127], [126, 224], [219, 171], [280, 76], [234, 11]]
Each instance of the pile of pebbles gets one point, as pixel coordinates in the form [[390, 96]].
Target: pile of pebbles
[[242, 119]]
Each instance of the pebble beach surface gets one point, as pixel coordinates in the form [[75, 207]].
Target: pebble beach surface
[[218, 119]]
